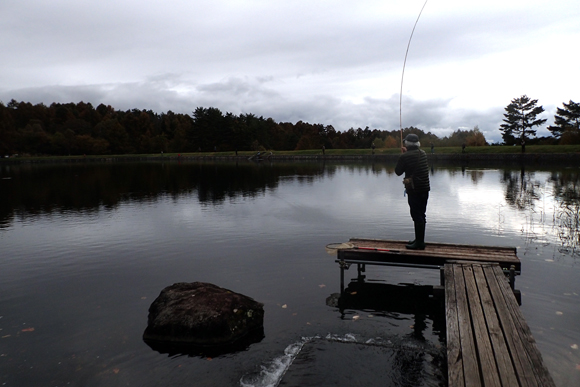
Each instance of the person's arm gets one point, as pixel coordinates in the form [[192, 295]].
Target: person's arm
[[400, 167]]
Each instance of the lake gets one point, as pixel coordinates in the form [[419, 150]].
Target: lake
[[86, 248]]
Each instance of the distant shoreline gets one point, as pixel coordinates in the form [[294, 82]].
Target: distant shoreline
[[562, 159]]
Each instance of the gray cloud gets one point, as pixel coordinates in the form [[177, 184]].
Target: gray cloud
[[337, 63], [259, 96]]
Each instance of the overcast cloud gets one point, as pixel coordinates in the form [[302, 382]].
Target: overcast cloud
[[333, 62]]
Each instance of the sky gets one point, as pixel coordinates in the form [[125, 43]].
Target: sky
[[330, 62]]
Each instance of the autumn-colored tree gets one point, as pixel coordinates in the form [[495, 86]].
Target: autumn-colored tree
[[391, 142], [475, 138]]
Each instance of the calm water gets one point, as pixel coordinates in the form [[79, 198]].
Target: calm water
[[85, 249]]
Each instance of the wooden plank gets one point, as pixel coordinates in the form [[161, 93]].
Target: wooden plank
[[468, 352], [540, 371], [390, 242], [413, 257], [489, 371], [492, 256], [473, 255], [440, 248], [435, 254], [522, 364], [454, 356], [489, 342], [500, 351], [430, 254]]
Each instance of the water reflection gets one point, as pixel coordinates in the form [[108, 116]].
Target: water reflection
[[190, 350], [401, 302], [387, 300], [566, 185], [28, 191], [525, 191], [567, 214], [476, 175], [522, 190], [32, 190], [84, 247]]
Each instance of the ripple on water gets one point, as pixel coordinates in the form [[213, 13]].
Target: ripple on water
[[335, 359]]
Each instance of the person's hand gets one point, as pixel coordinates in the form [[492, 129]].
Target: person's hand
[[403, 149]]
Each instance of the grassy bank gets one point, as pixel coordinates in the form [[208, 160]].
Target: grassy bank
[[445, 150], [491, 150]]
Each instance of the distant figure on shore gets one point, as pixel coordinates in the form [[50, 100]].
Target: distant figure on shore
[[323, 149], [373, 148], [463, 148], [432, 148], [523, 146]]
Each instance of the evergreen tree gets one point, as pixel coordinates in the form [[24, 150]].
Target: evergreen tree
[[520, 118], [567, 119]]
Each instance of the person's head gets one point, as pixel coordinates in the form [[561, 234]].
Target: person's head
[[411, 140]]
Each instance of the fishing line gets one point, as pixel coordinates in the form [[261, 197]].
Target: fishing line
[[403, 74]]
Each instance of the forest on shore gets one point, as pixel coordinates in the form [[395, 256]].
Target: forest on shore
[[81, 129]]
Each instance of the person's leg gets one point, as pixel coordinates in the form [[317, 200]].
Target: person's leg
[[419, 242], [418, 207]]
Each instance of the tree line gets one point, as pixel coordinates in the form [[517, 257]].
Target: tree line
[[81, 128], [521, 117], [77, 129]]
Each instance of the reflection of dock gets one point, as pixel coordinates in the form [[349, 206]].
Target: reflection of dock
[[488, 341], [407, 353]]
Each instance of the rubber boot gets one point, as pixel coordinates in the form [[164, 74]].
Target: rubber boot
[[411, 241], [419, 243]]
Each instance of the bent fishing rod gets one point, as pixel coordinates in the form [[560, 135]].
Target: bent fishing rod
[[403, 74]]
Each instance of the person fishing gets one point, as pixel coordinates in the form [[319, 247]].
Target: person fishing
[[413, 163]]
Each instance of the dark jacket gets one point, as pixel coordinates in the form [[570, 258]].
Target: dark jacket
[[414, 162]]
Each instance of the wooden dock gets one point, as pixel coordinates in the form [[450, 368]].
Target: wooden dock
[[385, 252], [488, 340]]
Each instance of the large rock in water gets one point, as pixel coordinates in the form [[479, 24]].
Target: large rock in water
[[202, 314]]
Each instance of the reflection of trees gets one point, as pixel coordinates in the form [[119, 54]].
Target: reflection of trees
[[567, 210], [521, 190], [566, 185], [567, 222], [32, 190], [29, 190], [476, 176]]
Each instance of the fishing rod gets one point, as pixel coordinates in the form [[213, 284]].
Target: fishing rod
[[403, 75]]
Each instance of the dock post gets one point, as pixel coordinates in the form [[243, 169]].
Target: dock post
[[341, 277], [512, 277], [360, 269], [342, 265]]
